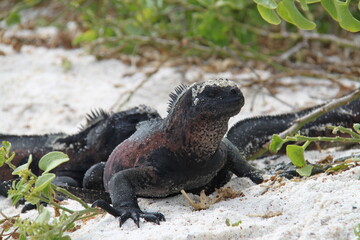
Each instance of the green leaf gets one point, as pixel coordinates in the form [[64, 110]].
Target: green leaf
[[51, 160], [357, 228], [7, 146], [206, 3], [268, 15], [312, 1], [66, 64], [284, 13], [4, 153], [44, 215], [329, 6], [85, 37], [22, 168], [304, 5], [296, 155], [235, 224], [270, 4], [230, 4], [227, 222], [13, 18], [48, 191], [356, 127], [338, 167], [305, 171], [276, 143], [43, 181], [288, 11], [345, 18], [2, 159], [212, 29]]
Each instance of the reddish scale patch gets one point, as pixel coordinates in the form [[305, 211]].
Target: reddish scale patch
[[129, 153]]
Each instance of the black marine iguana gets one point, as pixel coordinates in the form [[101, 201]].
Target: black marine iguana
[[250, 134], [93, 144]]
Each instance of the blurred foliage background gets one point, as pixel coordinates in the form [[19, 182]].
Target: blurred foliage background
[[202, 29]]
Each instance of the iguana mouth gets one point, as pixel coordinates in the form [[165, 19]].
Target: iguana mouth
[[230, 105]]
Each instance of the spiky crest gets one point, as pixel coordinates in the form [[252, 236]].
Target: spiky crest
[[174, 96], [94, 117]]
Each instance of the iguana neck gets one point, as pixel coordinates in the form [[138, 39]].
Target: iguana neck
[[198, 137]]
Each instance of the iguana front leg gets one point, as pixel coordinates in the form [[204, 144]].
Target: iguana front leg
[[239, 165], [123, 187]]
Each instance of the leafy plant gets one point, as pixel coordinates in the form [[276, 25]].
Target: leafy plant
[[296, 152], [357, 231], [195, 27], [270, 10], [38, 189]]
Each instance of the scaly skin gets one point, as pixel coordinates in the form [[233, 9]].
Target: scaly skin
[[249, 135], [186, 150], [91, 145]]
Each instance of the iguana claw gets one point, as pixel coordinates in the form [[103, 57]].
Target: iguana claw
[[125, 213], [135, 214], [255, 176]]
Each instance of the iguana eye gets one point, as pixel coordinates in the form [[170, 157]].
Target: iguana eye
[[211, 94], [153, 115]]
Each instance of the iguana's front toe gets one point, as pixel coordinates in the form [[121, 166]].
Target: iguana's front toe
[[135, 214], [255, 176], [155, 217], [124, 213]]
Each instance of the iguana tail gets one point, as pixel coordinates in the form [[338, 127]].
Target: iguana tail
[[249, 135], [89, 195]]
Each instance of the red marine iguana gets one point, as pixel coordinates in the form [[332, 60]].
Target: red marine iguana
[[93, 144], [186, 150]]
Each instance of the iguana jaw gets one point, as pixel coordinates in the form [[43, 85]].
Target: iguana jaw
[[200, 115]]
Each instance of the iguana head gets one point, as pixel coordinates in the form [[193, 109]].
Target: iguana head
[[211, 99], [199, 114]]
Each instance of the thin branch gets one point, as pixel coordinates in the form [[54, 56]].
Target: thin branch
[[286, 55], [310, 117], [3, 215], [70, 195], [308, 73], [299, 123], [240, 50], [313, 36], [322, 139]]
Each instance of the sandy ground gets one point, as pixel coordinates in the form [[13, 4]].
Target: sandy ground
[[37, 95]]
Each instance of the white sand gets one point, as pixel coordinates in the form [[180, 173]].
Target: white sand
[[38, 96]]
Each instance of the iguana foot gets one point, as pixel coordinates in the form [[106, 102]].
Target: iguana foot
[[125, 213], [255, 176]]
